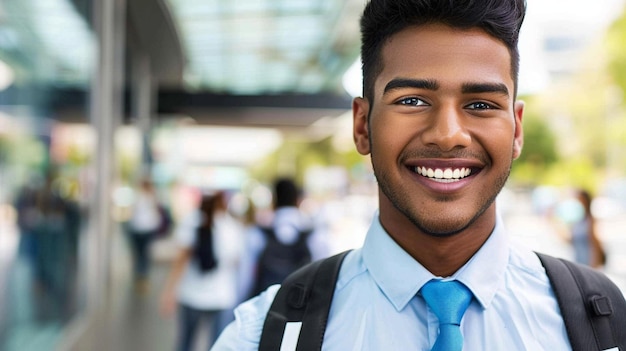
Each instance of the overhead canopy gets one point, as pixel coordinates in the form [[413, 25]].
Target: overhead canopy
[[258, 47], [263, 62]]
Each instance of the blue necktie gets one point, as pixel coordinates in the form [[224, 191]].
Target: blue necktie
[[448, 300]]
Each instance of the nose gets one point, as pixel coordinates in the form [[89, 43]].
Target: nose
[[447, 129]]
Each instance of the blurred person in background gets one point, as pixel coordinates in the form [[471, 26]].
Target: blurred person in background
[[144, 225], [292, 236], [579, 230], [49, 224], [202, 281]]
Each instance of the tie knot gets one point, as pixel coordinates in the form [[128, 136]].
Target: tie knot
[[447, 299]]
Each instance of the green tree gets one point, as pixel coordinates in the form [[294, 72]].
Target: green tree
[[539, 152], [615, 39], [297, 154], [616, 123]]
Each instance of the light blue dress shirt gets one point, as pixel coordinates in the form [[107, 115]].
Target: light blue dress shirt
[[377, 306]]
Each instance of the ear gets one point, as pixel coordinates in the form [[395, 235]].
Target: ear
[[360, 130], [518, 141]]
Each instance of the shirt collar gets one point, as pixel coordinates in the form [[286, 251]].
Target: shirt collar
[[484, 273], [400, 276]]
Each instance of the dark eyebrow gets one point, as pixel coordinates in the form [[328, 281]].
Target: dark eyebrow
[[399, 83], [476, 88]]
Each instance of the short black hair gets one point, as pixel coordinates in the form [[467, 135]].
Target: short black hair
[[286, 193], [382, 19]]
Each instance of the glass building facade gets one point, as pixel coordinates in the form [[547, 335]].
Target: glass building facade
[[48, 53]]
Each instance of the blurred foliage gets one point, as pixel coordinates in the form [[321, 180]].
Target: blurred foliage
[[539, 153], [574, 171], [539, 140], [21, 159], [128, 166], [297, 154], [615, 39], [575, 131], [616, 124], [78, 157], [26, 152]]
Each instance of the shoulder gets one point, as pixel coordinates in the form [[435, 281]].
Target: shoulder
[[250, 317], [557, 274], [351, 268], [525, 264]]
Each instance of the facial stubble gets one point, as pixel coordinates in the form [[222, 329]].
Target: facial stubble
[[432, 226]]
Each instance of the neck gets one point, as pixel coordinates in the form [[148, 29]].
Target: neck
[[444, 255]]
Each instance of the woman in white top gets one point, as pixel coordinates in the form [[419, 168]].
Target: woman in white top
[[142, 228], [209, 238]]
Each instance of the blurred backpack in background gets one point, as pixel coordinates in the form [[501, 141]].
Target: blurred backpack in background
[[278, 260]]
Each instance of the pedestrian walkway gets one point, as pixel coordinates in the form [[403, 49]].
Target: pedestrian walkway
[[132, 321]]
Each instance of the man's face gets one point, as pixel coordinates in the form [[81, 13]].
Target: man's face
[[443, 128]]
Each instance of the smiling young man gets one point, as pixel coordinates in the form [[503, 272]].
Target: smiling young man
[[440, 121], [442, 127]]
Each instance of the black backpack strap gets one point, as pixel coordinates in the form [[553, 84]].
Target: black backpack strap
[[592, 306], [306, 296]]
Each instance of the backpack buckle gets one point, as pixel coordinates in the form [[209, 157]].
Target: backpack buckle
[[601, 305], [297, 296]]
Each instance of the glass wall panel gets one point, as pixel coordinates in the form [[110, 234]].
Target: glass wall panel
[[46, 58]]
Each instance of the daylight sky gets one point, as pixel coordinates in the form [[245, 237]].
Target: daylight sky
[[583, 19]]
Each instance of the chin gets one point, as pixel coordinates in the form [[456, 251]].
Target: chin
[[444, 223], [440, 231]]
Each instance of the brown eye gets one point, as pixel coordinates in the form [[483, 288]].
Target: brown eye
[[479, 106], [412, 101]]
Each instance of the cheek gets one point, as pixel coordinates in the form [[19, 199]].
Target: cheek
[[497, 139], [391, 135]]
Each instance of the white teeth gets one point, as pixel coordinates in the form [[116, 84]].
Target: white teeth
[[456, 174], [446, 175]]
